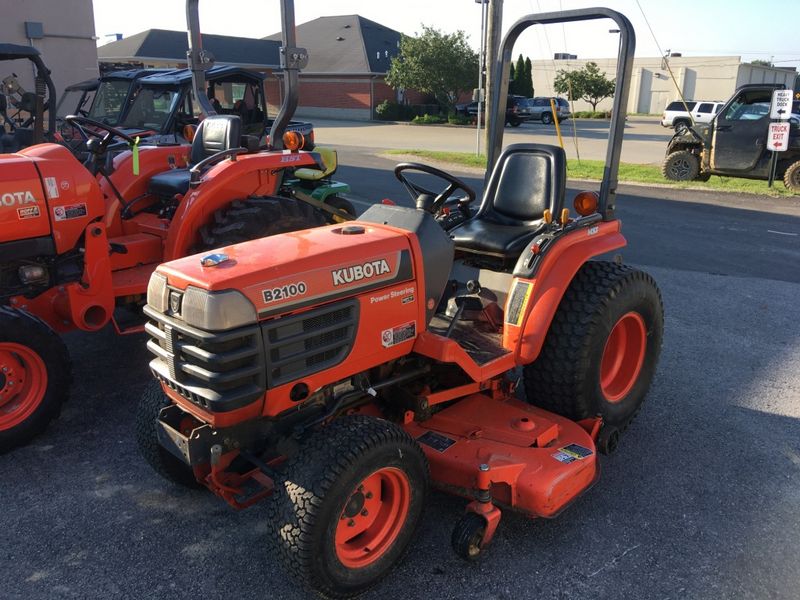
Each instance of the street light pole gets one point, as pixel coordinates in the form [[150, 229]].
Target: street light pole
[[481, 71]]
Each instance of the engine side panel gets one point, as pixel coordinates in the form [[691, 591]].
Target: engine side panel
[[23, 208], [74, 198]]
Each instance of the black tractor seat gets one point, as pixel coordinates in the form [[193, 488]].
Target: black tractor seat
[[527, 180], [215, 134]]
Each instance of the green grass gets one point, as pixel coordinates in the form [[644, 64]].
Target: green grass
[[628, 173]]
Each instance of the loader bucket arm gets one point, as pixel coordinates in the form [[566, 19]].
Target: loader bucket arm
[[627, 45]]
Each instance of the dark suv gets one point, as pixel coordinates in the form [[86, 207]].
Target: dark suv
[[516, 110]]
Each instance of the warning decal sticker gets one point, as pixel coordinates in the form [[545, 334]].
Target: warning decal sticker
[[571, 453], [517, 302], [401, 333], [437, 441], [52, 187], [71, 211]]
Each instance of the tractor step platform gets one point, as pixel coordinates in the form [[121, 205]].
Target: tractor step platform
[[538, 462], [136, 249], [478, 339]]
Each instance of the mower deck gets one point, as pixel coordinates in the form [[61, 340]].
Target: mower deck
[[536, 462]]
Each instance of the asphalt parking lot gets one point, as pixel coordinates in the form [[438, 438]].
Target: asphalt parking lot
[[701, 501]]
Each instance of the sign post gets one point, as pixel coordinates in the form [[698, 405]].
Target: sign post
[[778, 136]]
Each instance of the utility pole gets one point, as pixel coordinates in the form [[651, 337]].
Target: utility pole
[[494, 31]]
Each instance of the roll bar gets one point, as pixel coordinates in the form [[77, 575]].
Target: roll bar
[[199, 60], [499, 91], [293, 59]]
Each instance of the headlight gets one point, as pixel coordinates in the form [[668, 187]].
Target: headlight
[[216, 311], [157, 292]]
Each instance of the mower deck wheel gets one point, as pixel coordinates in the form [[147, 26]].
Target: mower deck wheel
[[468, 534], [35, 376], [601, 351], [347, 505], [165, 464]]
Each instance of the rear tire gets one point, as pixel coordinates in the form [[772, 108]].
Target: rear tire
[[791, 178], [257, 217], [547, 118], [165, 464], [681, 166], [342, 470], [35, 376], [602, 348]]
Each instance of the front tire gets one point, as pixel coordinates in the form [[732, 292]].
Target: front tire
[[35, 375], [602, 348], [681, 166], [791, 178], [349, 504], [547, 118]]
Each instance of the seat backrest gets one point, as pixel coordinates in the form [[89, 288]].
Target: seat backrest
[[215, 134], [329, 159], [527, 179]]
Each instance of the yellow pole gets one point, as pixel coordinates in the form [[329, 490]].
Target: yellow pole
[[555, 120]]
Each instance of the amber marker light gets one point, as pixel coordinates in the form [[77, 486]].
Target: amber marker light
[[189, 131], [293, 140], [585, 203]]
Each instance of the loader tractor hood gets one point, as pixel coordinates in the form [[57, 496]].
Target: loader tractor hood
[[240, 284], [46, 200]]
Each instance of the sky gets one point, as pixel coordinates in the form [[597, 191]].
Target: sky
[[764, 29]]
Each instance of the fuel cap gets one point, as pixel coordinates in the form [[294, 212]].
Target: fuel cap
[[352, 229]]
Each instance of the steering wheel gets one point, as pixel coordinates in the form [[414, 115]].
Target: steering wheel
[[415, 190], [105, 140]]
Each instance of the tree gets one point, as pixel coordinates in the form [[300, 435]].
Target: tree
[[761, 63], [435, 63], [528, 78], [512, 79], [519, 71], [588, 84]]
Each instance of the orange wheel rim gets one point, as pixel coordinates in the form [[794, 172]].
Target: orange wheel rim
[[373, 517], [23, 383], [623, 356]]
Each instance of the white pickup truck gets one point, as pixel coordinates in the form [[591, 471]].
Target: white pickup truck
[[701, 111]]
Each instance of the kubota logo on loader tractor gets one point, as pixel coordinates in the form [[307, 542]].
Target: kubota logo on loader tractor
[[367, 270], [17, 198]]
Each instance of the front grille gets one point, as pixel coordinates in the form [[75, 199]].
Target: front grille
[[217, 371], [310, 342]]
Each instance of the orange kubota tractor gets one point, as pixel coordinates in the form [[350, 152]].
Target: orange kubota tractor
[[78, 242], [337, 372]]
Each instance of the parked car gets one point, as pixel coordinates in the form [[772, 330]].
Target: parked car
[[675, 114], [516, 110], [516, 107], [539, 109]]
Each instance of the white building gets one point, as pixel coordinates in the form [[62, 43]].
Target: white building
[[652, 88]]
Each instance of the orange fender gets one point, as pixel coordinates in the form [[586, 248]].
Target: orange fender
[[559, 265]]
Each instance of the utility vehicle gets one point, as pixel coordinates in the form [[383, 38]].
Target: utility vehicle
[[734, 143]]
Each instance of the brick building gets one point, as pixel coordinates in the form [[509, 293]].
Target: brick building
[[349, 57]]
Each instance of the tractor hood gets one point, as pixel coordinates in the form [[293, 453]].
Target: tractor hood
[[293, 270]]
